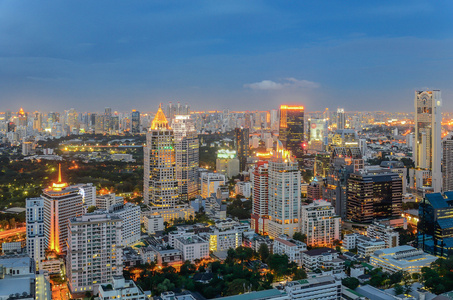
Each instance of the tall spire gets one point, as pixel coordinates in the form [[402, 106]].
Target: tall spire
[[160, 121], [58, 186], [59, 173]]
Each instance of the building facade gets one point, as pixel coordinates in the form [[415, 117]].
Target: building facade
[[260, 198], [160, 184], [447, 163], [291, 132], [210, 182], [36, 240], [320, 224], [376, 195], [130, 216], [242, 147], [187, 156], [95, 254]]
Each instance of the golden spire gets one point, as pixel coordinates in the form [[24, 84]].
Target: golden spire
[[160, 121], [59, 185]]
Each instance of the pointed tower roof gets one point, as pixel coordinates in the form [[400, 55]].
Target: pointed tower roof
[[160, 121], [59, 185]]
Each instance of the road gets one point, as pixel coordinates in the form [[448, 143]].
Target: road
[[7, 233]]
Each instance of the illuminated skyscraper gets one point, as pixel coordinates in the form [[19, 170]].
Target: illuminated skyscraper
[[291, 132], [61, 202], [160, 185], [107, 119], [447, 163], [284, 194], [135, 126], [260, 198], [37, 121], [187, 156], [341, 120], [36, 240], [242, 146], [427, 174]]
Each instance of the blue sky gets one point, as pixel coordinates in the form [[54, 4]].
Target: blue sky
[[241, 55]]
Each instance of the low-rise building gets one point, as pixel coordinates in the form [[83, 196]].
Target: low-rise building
[[322, 258], [243, 188], [170, 257], [385, 233], [192, 247], [104, 202], [292, 248], [153, 223], [222, 240], [120, 288], [323, 287], [402, 258]]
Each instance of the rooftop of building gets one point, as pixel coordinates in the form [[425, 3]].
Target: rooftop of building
[[312, 282], [193, 239], [405, 256], [320, 251], [440, 200], [267, 294]]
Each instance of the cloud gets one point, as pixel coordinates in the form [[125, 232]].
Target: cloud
[[285, 83]]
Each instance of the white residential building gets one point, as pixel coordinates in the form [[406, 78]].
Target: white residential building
[[324, 287], [320, 224], [284, 194], [88, 192], [130, 215], [104, 202], [222, 240], [385, 233], [153, 223], [243, 188], [94, 251], [36, 240], [366, 247], [210, 182], [402, 258], [121, 289], [322, 258], [292, 248], [192, 247]]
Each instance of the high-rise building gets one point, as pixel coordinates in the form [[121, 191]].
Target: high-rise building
[[374, 195], [341, 119], [36, 240], [61, 202], [99, 124], [227, 163], [160, 184], [427, 149], [130, 216], [187, 156], [176, 109], [260, 198], [435, 225], [135, 126], [291, 132], [320, 224], [37, 121], [107, 119], [242, 147], [447, 163], [284, 194], [317, 134], [94, 251]]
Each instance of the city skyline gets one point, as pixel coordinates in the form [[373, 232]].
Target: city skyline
[[231, 55]]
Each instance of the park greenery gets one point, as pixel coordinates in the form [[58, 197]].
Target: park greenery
[[242, 271], [439, 277], [240, 209]]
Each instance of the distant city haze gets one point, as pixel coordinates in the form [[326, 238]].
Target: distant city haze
[[237, 55]]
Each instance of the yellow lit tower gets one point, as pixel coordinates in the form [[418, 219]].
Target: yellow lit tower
[[291, 132], [61, 202], [160, 185]]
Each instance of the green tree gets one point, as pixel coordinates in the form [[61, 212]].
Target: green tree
[[300, 237], [278, 264], [165, 286], [91, 209], [244, 253], [398, 289], [263, 252], [350, 282]]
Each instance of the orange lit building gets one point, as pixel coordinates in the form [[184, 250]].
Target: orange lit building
[[61, 202], [291, 132]]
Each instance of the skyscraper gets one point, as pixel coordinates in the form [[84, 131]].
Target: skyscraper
[[187, 156], [341, 120], [427, 173], [242, 147], [36, 240], [260, 198], [374, 195], [291, 132], [94, 251], [160, 185], [320, 224], [107, 119], [135, 126], [447, 163], [284, 194], [61, 202]]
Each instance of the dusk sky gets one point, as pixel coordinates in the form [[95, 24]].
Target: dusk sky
[[241, 55]]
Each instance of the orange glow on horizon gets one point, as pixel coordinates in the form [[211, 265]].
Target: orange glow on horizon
[[292, 107]]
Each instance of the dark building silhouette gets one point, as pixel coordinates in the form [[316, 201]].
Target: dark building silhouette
[[291, 132], [242, 146]]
